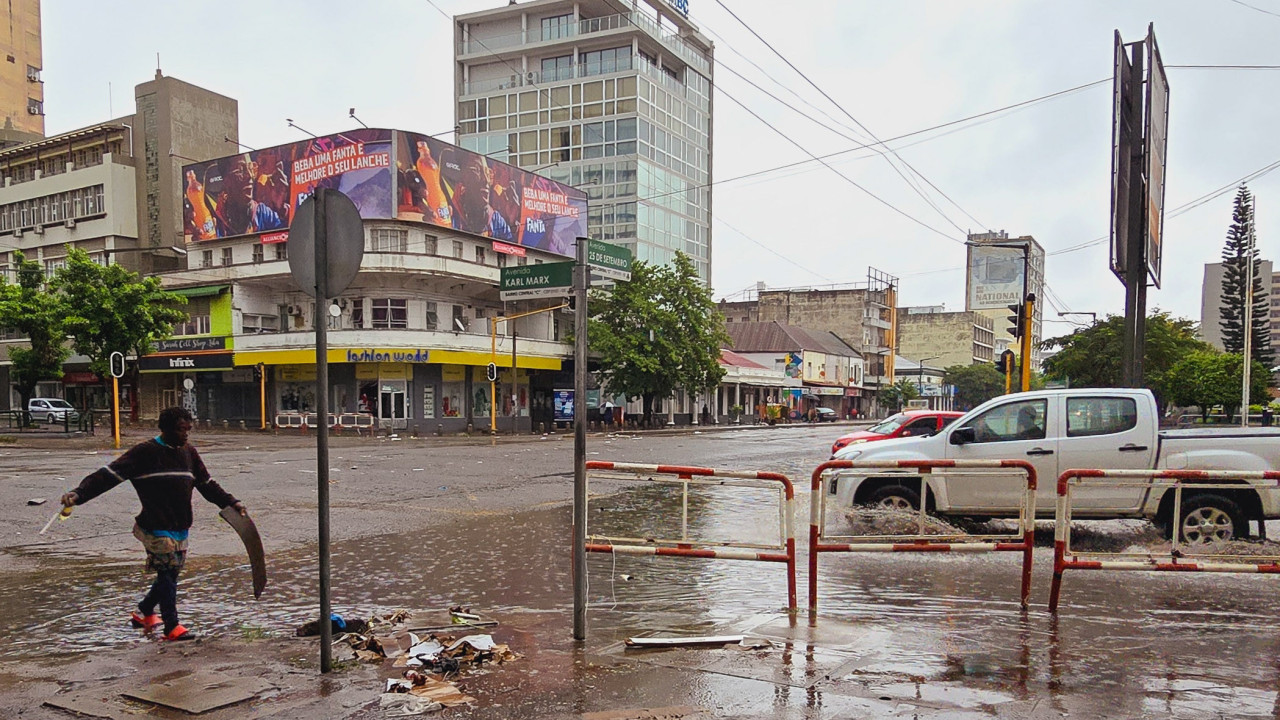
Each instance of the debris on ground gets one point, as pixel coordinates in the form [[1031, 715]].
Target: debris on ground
[[37, 501], [868, 520], [430, 664], [640, 642], [337, 624]]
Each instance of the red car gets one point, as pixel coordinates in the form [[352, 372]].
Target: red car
[[912, 423]]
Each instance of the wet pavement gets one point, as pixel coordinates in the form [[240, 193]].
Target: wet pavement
[[900, 635]]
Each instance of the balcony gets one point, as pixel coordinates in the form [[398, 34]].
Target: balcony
[[587, 27], [535, 78]]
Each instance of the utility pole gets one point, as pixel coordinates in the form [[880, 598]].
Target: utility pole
[[1248, 321]]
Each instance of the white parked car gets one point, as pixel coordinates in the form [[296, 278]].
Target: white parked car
[[53, 410]]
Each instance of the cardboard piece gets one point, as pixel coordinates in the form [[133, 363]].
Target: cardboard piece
[[200, 691], [676, 712], [248, 533], [88, 703]]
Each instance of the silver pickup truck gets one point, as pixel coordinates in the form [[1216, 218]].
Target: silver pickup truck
[[1056, 430]]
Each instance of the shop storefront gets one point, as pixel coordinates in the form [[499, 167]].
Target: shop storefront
[[398, 389], [198, 374]]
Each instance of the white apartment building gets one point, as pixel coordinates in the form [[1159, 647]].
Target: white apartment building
[[611, 96]]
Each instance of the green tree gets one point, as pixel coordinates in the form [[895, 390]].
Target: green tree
[[1207, 377], [109, 309], [657, 332], [38, 315], [1090, 357], [898, 394], [1236, 254], [975, 384]]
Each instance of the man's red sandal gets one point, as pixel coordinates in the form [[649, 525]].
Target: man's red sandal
[[144, 622], [179, 633]]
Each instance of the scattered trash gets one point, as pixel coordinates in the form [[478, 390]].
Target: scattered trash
[[337, 624], [683, 641], [755, 643], [674, 712], [625, 577], [419, 469], [406, 705], [282, 462], [37, 501]]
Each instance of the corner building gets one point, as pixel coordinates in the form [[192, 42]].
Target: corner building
[[611, 96]]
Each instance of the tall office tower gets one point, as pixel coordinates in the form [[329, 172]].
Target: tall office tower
[[611, 96], [21, 90]]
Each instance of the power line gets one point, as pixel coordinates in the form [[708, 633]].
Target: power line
[[1251, 7], [848, 114], [918, 191]]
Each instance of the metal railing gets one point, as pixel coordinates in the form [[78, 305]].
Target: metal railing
[[1022, 540], [782, 551]]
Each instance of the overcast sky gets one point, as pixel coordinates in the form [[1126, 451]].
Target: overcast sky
[[897, 67]]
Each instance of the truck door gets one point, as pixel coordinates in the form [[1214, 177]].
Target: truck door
[[1016, 430], [1104, 432]]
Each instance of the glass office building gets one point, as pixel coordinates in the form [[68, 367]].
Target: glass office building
[[613, 97]]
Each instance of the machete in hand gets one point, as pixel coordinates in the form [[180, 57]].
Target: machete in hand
[[248, 533]]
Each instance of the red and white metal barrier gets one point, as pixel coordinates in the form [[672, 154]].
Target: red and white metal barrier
[[1022, 540], [1182, 557], [784, 551]]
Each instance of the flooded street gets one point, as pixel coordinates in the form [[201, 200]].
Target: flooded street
[[897, 635]]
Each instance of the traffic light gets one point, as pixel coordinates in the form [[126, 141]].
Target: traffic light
[[1018, 320], [1002, 365], [257, 372]]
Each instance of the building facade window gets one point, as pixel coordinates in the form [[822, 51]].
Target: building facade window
[[431, 245], [480, 255], [195, 325], [257, 252], [457, 249], [206, 258], [431, 319], [390, 313], [226, 256], [394, 240], [282, 251], [357, 313], [554, 28]]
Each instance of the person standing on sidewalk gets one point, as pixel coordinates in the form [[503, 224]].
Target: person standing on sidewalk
[[163, 471]]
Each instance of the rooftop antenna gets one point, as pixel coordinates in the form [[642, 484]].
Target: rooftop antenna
[[158, 73]]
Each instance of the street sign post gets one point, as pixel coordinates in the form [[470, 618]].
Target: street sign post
[[326, 245], [608, 260], [536, 281]]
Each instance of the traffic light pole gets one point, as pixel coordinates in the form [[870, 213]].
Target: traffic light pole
[[1028, 313]]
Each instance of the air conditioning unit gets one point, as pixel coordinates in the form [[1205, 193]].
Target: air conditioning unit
[[33, 74], [33, 110], [70, 223], [294, 310], [17, 232], [39, 229]]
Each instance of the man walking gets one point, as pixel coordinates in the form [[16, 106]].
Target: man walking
[[163, 471]]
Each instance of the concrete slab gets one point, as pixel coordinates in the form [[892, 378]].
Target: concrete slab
[[90, 703]]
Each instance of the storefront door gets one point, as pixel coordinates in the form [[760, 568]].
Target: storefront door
[[392, 407]]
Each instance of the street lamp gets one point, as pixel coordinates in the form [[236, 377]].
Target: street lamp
[[920, 372]]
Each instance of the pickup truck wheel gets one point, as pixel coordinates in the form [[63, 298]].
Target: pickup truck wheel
[[895, 497], [1211, 518]]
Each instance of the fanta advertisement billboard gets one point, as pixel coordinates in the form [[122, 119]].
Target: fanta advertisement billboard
[[257, 192], [444, 185]]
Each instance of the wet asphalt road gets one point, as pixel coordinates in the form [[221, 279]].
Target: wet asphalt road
[[429, 523]]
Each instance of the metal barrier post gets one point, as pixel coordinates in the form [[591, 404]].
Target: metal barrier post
[[684, 547], [923, 543], [1178, 559]]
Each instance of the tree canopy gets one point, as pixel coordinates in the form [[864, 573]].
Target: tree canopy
[[1207, 377], [1090, 357], [1236, 253], [657, 332], [27, 308], [898, 394], [975, 384], [109, 309]]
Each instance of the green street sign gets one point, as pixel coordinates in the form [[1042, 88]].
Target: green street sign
[[608, 260], [537, 281]]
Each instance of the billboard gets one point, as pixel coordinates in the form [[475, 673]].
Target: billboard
[[1125, 135], [1157, 141], [996, 276], [444, 185], [259, 190]]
